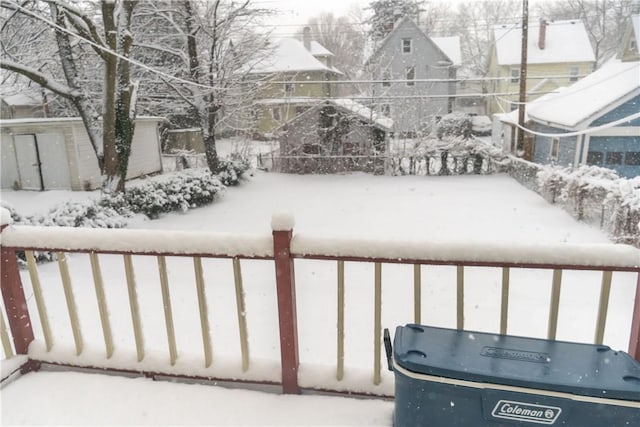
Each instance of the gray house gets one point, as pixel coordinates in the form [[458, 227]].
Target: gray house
[[398, 62]]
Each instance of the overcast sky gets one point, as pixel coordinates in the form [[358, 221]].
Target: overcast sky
[[295, 13]]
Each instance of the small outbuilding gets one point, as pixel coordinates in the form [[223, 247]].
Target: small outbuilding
[[56, 154], [333, 136]]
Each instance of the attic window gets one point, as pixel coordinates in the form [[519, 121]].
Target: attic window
[[406, 45]]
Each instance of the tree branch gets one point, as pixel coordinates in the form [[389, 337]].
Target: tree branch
[[41, 79]]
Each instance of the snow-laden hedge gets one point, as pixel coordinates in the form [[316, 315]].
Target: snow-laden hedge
[[180, 191], [596, 195], [447, 156]]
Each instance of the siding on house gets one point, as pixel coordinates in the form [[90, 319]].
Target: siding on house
[[401, 100], [543, 144], [628, 108], [509, 90], [296, 64], [557, 61]]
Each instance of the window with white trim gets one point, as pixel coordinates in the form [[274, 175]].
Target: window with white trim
[[410, 75], [555, 149], [406, 45], [515, 75], [386, 79], [573, 74]]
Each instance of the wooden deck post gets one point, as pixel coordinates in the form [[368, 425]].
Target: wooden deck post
[[286, 290], [15, 302], [634, 340]]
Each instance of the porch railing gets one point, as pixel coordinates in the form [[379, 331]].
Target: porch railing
[[286, 252]]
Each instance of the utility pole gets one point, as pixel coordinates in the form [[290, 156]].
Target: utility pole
[[523, 77]]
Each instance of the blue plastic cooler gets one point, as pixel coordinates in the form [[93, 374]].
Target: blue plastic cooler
[[446, 378]]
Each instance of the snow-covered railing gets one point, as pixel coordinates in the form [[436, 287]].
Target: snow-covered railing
[[284, 250]]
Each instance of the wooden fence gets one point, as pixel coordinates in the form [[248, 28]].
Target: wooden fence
[[285, 251]]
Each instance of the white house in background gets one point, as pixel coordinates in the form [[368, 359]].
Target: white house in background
[[295, 75], [559, 53], [408, 54], [55, 153]]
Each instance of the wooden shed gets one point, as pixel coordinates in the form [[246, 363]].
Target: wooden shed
[[56, 154], [334, 136]]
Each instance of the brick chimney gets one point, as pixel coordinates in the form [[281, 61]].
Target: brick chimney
[[306, 38], [542, 34]]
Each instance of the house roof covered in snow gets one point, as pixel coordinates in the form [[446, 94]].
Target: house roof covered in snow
[[591, 97], [346, 104], [318, 50], [564, 41], [364, 112], [290, 55], [449, 46]]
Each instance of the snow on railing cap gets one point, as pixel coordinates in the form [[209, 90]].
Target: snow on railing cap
[[282, 221], [5, 217]]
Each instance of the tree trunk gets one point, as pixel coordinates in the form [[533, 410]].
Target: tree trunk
[[110, 172], [81, 103]]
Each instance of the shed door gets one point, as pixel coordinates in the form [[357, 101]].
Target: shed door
[[28, 162], [53, 161]]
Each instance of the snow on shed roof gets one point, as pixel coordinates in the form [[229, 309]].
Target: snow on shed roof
[[451, 47], [22, 99], [364, 112], [52, 120], [565, 41], [290, 55], [589, 98]]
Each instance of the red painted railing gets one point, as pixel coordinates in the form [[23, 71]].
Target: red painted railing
[[287, 248]]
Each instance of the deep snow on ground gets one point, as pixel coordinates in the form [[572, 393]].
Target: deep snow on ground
[[94, 399], [457, 208]]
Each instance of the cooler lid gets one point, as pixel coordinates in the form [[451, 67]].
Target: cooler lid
[[582, 369]]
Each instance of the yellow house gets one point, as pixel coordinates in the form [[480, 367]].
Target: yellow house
[[558, 54], [296, 75]]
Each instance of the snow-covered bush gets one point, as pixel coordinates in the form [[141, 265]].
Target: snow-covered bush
[[182, 191], [454, 124], [232, 171], [597, 195], [179, 192]]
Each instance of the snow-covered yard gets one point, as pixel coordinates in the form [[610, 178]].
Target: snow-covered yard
[[459, 209]]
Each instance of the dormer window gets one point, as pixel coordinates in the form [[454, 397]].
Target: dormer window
[[406, 45]]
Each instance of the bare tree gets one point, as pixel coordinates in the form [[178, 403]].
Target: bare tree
[[211, 50], [105, 28]]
